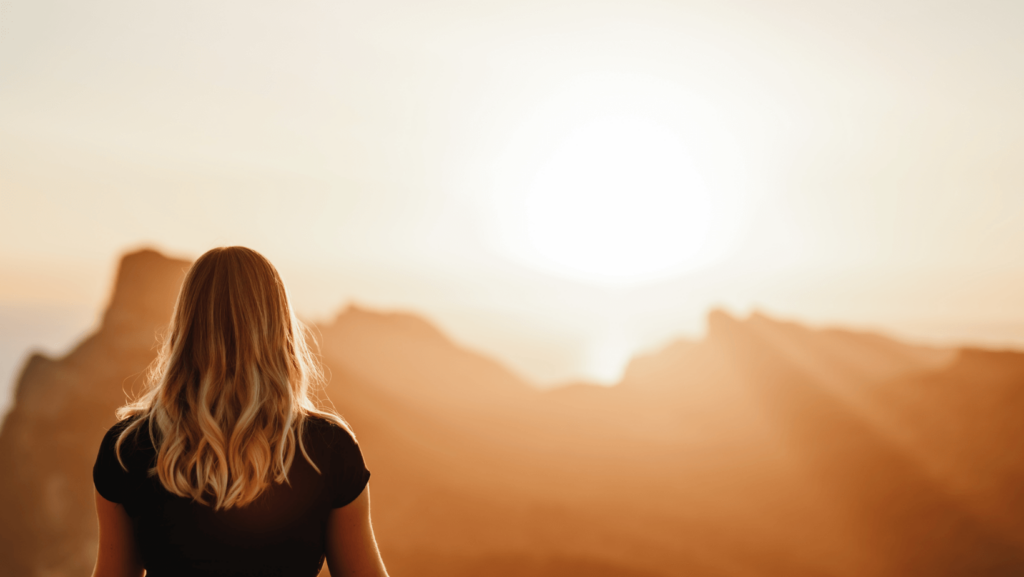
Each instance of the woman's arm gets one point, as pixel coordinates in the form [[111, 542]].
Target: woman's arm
[[117, 555], [351, 548]]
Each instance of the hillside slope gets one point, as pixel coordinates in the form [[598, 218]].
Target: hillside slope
[[766, 448]]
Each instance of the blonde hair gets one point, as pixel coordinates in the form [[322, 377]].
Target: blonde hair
[[228, 396]]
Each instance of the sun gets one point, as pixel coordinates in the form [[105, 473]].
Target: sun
[[619, 180], [618, 201]]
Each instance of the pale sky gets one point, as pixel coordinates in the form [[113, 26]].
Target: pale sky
[[855, 163]]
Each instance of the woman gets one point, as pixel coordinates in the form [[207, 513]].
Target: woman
[[225, 466]]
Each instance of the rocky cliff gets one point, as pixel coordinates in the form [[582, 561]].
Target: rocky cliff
[[62, 408]]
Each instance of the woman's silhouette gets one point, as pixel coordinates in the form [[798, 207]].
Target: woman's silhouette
[[225, 466]]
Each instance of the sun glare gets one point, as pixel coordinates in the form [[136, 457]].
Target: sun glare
[[618, 180], [618, 201]]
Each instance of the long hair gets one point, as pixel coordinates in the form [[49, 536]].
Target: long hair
[[228, 395]]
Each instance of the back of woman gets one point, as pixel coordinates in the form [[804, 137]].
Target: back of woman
[[225, 466]]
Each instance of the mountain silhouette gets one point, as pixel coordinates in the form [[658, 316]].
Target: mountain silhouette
[[61, 409], [765, 448]]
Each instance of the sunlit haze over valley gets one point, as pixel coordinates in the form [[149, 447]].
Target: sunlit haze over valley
[[558, 185]]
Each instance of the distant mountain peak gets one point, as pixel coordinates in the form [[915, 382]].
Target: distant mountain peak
[[406, 322], [720, 321], [146, 287]]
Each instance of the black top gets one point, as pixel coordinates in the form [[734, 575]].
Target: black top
[[280, 533]]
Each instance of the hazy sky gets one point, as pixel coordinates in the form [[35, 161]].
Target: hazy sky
[[842, 162]]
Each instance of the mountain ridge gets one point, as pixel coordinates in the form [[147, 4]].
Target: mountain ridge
[[884, 458]]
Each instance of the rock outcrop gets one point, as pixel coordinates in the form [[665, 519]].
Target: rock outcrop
[[62, 408]]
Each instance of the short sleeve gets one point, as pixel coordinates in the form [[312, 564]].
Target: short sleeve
[[110, 479], [349, 475]]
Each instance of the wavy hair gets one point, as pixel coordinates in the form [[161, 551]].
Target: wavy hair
[[227, 398]]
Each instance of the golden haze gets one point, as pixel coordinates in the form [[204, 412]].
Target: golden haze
[[862, 159], [844, 163]]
